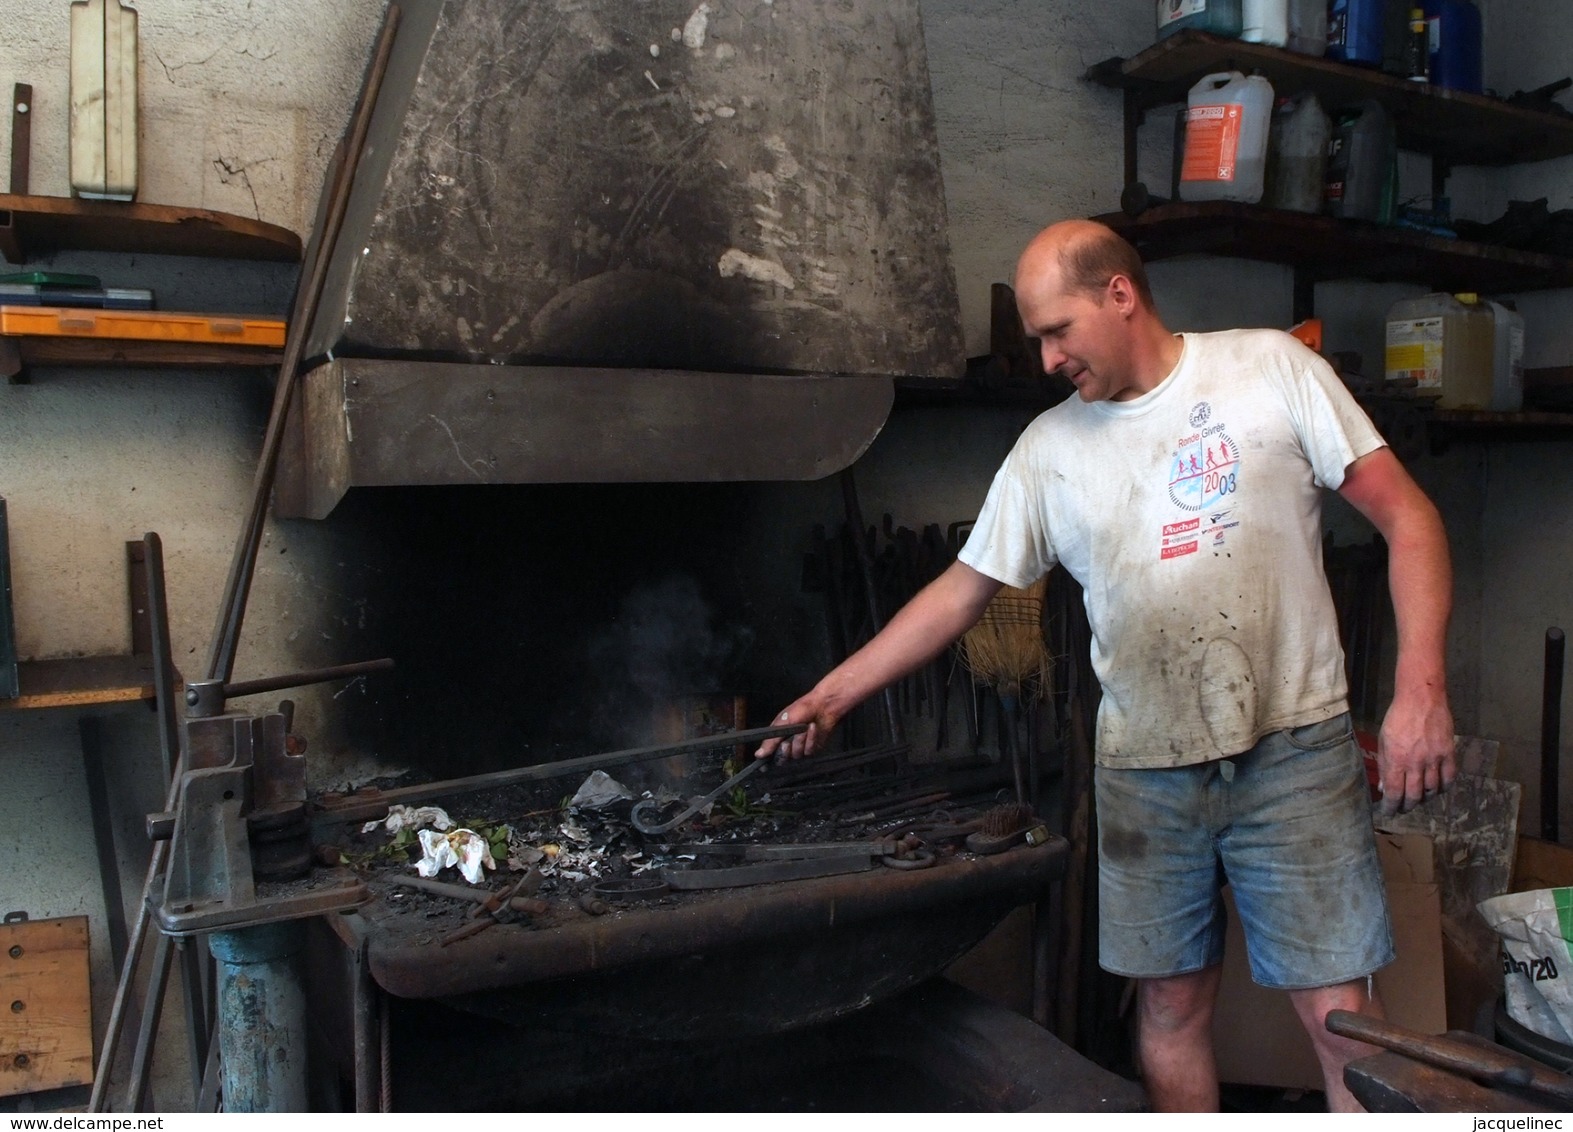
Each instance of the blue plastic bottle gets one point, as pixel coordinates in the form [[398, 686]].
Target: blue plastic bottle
[[1454, 27], [1355, 31], [1220, 17]]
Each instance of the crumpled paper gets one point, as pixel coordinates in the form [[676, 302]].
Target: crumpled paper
[[462, 847], [599, 791], [412, 817]]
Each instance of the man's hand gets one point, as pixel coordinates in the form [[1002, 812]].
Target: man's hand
[[811, 709], [1415, 752]]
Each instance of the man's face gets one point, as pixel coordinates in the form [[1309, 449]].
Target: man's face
[[1083, 336]]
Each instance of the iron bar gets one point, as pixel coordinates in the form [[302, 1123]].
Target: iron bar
[[237, 587], [849, 496], [1551, 737], [309, 676], [354, 808]]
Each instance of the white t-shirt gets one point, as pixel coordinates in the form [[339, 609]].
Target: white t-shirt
[[1192, 518]]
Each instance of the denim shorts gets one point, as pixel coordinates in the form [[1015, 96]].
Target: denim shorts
[[1287, 825]]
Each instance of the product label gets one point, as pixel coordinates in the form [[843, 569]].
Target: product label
[[1212, 142], [1173, 11], [1515, 339], [1414, 351]]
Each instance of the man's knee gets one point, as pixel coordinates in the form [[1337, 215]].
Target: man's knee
[[1313, 1005], [1177, 1003]]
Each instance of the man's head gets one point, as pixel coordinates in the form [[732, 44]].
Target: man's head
[[1083, 292]]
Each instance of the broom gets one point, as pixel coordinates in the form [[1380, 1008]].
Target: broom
[[1006, 651]]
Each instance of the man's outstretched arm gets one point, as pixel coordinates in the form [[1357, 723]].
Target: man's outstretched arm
[[940, 613], [1415, 754]]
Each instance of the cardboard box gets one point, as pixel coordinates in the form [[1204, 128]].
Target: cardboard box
[[1258, 1036]]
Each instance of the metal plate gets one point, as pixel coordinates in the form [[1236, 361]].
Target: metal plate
[[748, 187]]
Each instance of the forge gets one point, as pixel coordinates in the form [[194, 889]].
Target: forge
[[572, 246]]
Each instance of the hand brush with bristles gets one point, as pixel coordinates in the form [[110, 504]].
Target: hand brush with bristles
[[1005, 825]]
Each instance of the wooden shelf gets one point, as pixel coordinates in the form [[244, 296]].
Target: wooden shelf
[[1458, 128], [82, 681], [35, 225], [1328, 248], [26, 351]]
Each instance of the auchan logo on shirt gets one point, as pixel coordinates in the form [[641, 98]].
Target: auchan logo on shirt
[[1179, 539]]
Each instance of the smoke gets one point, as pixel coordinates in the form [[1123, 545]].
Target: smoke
[[665, 644]]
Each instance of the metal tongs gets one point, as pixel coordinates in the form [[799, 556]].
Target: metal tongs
[[643, 814]]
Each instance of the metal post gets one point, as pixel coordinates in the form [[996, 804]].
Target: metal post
[[261, 1017], [1551, 737]]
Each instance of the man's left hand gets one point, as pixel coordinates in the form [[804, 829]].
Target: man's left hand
[[1415, 752]]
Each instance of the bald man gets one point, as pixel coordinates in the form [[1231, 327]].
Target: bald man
[[1181, 488]]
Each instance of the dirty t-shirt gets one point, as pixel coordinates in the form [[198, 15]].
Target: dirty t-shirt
[[1192, 518]]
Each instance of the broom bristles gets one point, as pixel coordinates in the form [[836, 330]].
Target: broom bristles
[[1006, 649]]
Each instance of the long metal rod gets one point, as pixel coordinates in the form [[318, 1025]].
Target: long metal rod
[[352, 809], [164, 674], [849, 498], [237, 587], [301, 679], [1551, 737], [147, 1031]]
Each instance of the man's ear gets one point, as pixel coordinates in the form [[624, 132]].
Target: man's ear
[[1121, 293]]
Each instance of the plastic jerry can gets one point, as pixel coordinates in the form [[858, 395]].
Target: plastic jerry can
[[1308, 27], [1299, 25], [1265, 21], [1227, 119], [1220, 17], [1297, 154], [1507, 365], [1444, 344], [1360, 164], [1456, 58], [1355, 31]]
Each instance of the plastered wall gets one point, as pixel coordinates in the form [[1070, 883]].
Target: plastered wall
[[242, 104]]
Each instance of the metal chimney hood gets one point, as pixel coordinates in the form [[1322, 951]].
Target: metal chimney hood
[[615, 240]]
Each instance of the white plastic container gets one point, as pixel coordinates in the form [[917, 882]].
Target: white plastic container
[[1299, 25], [1265, 21], [1507, 369], [1226, 126], [1297, 154], [1444, 344]]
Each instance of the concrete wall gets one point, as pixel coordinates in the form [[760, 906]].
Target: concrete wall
[[242, 105]]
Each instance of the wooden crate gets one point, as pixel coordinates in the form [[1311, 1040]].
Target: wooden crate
[[46, 1012]]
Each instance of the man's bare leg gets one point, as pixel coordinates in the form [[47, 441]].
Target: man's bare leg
[[1175, 1041], [1333, 1051]]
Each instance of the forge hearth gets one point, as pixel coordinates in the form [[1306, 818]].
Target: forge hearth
[[707, 966]]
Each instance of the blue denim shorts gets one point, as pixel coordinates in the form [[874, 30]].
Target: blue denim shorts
[[1287, 825]]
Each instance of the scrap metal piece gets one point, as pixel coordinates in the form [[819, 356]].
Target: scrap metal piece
[[748, 851], [767, 872], [630, 890]]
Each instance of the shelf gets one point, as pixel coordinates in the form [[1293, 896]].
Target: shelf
[[35, 225], [1327, 248], [23, 352], [1458, 128], [82, 681]]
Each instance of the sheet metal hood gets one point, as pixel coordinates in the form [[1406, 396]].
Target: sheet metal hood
[[604, 240]]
